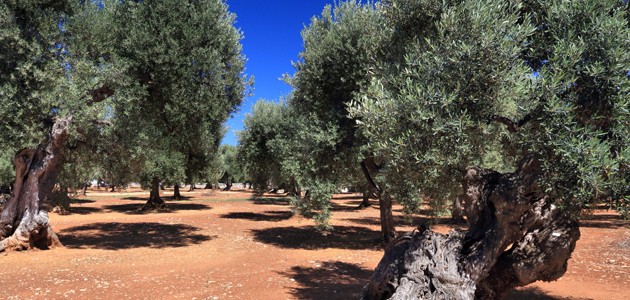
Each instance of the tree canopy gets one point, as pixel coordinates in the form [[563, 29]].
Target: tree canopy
[[120, 83]]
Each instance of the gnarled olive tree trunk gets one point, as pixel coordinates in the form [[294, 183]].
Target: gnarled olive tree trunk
[[24, 221], [504, 210]]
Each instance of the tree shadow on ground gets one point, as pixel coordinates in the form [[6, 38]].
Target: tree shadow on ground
[[83, 201], [115, 236], [82, 210], [534, 293], [398, 221], [331, 281], [271, 201], [307, 237], [611, 220], [136, 198], [271, 216], [134, 209]]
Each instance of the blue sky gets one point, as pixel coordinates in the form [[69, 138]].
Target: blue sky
[[272, 40]]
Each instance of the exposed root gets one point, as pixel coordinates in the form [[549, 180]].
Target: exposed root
[[153, 205]]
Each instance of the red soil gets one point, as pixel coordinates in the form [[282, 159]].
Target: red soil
[[230, 246]]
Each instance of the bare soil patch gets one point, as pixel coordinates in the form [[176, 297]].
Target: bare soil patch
[[229, 245]]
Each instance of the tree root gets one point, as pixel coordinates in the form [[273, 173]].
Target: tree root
[[151, 205]]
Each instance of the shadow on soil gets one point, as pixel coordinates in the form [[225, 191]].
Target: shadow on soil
[[133, 209], [271, 200], [271, 216], [534, 293], [307, 237], [80, 210], [333, 280], [610, 220], [83, 201], [115, 236]]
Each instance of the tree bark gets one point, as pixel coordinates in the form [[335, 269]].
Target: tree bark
[[388, 229], [176, 194], [155, 202], [457, 211], [228, 184], [24, 222], [366, 200], [84, 188], [504, 210], [192, 187]]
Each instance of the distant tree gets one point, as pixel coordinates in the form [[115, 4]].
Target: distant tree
[[265, 148], [231, 168], [187, 59], [542, 83]]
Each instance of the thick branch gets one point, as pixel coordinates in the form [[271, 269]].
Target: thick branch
[[102, 122], [368, 177], [511, 125], [99, 94]]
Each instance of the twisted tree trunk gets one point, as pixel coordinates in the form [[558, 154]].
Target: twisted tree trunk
[[24, 221], [155, 202], [504, 210]]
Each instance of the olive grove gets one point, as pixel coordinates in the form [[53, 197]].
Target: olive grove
[[134, 84]]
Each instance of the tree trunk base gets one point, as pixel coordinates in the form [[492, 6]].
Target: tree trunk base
[[176, 194], [33, 233], [155, 202], [24, 222], [517, 236], [155, 205], [366, 202]]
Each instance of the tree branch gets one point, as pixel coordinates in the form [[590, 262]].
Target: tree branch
[[99, 94], [102, 122], [511, 125], [368, 177]]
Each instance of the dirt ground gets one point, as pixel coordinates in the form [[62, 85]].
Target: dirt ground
[[229, 245]]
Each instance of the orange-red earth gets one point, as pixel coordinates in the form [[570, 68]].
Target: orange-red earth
[[230, 245]]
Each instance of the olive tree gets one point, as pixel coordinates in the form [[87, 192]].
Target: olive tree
[[87, 75], [340, 48], [266, 148], [549, 81]]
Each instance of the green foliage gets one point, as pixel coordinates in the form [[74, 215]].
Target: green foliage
[[433, 109], [326, 147], [230, 164], [175, 70], [7, 174], [265, 147]]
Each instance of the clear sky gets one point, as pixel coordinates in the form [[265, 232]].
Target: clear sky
[[272, 40]]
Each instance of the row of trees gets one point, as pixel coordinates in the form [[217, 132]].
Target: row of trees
[[129, 91], [518, 108]]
